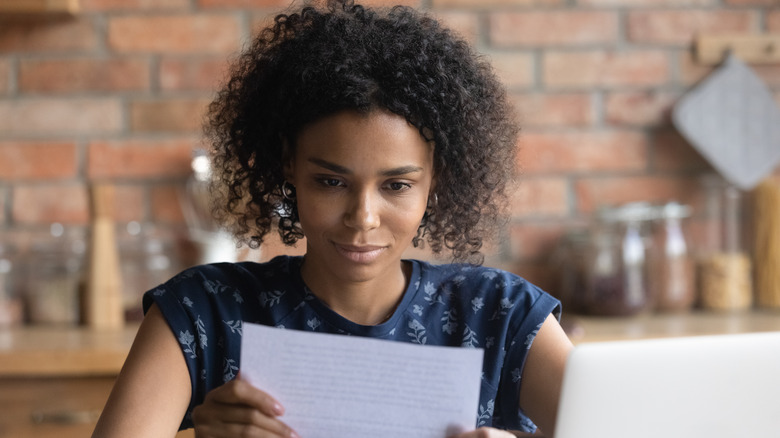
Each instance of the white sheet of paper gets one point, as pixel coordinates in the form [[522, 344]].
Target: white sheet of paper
[[350, 386]]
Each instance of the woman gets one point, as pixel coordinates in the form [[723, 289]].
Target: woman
[[364, 132]]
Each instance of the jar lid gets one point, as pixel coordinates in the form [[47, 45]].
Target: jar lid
[[674, 210]]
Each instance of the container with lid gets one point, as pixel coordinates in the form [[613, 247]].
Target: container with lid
[[617, 275], [725, 269], [55, 275], [570, 262]]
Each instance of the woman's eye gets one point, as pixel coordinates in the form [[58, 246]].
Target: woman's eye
[[398, 186], [331, 182]]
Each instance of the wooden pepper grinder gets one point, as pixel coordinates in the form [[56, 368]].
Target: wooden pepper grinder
[[103, 307]]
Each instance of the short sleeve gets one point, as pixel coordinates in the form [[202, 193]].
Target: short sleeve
[[521, 336], [188, 303]]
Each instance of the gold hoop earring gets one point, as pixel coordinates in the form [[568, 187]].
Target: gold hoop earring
[[288, 191]]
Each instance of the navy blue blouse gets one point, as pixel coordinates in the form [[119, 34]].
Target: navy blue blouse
[[451, 305]]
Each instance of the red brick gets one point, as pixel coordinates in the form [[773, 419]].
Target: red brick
[[605, 69], [752, 2], [181, 115], [83, 74], [645, 3], [599, 191], [128, 5], [516, 70], [166, 204], [554, 110], [37, 160], [174, 33], [186, 74], [465, 24], [773, 21], [539, 197], [671, 152], [585, 151], [245, 4], [5, 76], [494, 3], [129, 201], [140, 158], [60, 116], [48, 203], [534, 240], [640, 108], [679, 27], [574, 28], [36, 36]]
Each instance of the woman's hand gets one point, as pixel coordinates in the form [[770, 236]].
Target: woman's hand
[[239, 409], [486, 432]]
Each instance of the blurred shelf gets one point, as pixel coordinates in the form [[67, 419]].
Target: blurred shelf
[[28, 7]]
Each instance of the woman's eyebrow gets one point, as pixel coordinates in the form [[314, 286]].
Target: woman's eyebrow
[[337, 168]]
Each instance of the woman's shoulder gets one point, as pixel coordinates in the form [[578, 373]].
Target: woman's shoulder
[[229, 278], [279, 267]]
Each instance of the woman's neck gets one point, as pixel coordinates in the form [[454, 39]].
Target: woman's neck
[[370, 302]]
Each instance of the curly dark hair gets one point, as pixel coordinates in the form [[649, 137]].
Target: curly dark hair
[[319, 61]]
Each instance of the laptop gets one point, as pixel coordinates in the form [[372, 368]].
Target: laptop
[[724, 386]]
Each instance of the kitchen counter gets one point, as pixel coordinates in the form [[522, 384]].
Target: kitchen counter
[[63, 351], [584, 329], [58, 351]]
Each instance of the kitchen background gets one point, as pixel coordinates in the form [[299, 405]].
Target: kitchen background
[[116, 92]]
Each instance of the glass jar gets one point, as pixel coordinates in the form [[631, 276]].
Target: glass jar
[[725, 269], [674, 275], [11, 305], [570, 260], [617, 274], [55, 276], [147, 260]]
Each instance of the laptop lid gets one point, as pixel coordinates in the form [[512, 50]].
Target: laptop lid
[[721, 386]]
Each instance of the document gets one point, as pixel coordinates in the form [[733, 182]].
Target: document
[[349, 386]]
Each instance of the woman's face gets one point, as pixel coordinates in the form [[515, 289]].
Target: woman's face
[[362, 183]]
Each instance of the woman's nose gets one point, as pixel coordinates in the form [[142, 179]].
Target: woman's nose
[[363, 212]]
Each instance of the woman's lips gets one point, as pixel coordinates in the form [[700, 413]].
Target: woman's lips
[[360, 253]]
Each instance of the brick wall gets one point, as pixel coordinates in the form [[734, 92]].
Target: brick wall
[[116, 93]]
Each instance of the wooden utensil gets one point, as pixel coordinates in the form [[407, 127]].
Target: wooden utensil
[[103, 298]]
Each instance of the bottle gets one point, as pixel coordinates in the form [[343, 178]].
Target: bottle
[[674, 270]]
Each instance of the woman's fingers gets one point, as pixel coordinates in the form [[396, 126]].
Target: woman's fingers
[[485, 432], [239, 409], [242, 418], [240, 391]]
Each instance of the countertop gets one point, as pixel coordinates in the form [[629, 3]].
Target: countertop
[[63, 351], [78, 351]]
